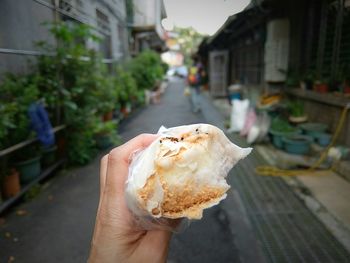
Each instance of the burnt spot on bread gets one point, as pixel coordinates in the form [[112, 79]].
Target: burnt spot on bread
[[172, 139], [155, 211]]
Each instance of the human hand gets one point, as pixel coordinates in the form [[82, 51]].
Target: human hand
[[116, 238]]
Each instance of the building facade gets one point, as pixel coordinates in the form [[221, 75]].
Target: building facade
[[274, 46], [146, 28], [272, 40], [21, 27]]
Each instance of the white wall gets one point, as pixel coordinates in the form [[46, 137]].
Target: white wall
[[144, 13], [149, 14], [277, 50]]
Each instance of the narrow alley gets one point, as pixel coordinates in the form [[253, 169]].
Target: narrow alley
[[57, 225], [59, 222]]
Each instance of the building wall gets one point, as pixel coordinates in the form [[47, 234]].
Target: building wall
[[21, 26], [144, 13], [247, 58], [148, 32], [115, 28]]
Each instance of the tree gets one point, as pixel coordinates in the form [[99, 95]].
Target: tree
[[189, 40]]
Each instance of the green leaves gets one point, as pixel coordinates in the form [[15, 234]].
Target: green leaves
[[73, 81], [124, 85], [146, 69], [16, 94], [105, 127], [296, 108]]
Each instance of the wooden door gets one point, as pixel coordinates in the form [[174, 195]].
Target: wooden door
[[218, 68]]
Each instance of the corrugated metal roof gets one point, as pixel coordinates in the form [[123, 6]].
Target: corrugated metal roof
[[251, 5]]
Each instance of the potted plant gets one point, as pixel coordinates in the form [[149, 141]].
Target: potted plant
[[106, 95], [292, 79], [11, 185], [323, 138], [105, 133], [347, 86], [297, 144], [321, 85], [347, 83], [297, 111], [313, 129], [48, 155], [308, 80], [279, 129], [125, 87], [16, 94], [27, 161]]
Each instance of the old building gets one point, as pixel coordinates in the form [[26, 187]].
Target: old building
[[146, 28], [21, 26], [270, 41], [276, 45]]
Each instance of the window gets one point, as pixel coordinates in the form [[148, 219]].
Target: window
[[105, 46]]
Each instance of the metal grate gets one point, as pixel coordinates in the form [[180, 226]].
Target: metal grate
[[287, 230]]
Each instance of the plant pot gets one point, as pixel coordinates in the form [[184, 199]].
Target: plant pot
[[312, 129], [29, 170], [323, 139], [277, 137], [108, 116], [11, 185], [321, 88], [48, 156], [103, 141], [347, 89], [235, 96], [297, 144], [299, 119], [125, 111], [61, 147]]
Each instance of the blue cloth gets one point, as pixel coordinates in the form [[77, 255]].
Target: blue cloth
[[40, 123]]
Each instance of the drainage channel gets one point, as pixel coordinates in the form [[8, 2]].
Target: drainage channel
[[286, 229]]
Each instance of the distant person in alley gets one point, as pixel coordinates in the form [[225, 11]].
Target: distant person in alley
[[194, 79]]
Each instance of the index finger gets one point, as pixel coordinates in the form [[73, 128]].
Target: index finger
[[118, 162]]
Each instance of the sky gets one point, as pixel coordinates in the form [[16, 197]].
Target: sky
[[205, 16]]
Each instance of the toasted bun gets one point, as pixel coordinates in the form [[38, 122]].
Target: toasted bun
[[182, 172]]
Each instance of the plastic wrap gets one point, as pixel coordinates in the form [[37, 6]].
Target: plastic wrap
[[179, 175]]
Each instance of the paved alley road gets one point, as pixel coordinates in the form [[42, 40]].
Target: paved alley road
[[59, 223]]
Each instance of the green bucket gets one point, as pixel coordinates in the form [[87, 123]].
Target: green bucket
[[48, 156], [29, 170], [103, 141]]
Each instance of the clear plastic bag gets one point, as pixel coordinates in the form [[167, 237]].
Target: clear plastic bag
[[179, 175]]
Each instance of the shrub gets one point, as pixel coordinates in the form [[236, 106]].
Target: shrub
[[146, 69], [125, 86], [17, 93], [75, 80]]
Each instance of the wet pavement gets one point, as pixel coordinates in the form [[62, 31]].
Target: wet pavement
[[57, 225]]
